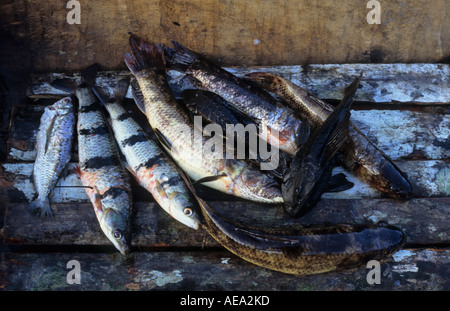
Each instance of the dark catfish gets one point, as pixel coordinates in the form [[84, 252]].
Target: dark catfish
[[359, 155]]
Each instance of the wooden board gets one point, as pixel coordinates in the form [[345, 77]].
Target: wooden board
[[243, 33], [212, 271]]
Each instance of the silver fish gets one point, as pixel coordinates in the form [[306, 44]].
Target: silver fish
[[53, 146]]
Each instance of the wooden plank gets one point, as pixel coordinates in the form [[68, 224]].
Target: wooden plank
[[238, 32], [381, 83], [429, 178], [422, 220], [408, 269]]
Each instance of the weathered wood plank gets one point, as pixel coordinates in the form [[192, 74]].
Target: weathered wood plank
[[238, 32], [381, 83], [429, 178], [401, 134], [407, 269], [422, 220]]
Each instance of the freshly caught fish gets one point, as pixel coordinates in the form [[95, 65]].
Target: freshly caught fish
[[310, 170], [184, 142], [359, 154], [106, 181], [151, 167], [245, 96], [217, 110], [53, 146], [312, 250]]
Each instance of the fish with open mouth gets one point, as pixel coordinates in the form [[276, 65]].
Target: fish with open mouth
[[53, 146], [311, 168], [148, 163], [100, 169], [359, 155], [185, 143], [245, 96]]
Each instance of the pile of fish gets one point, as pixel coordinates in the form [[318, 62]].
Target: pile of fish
[[307, 138]]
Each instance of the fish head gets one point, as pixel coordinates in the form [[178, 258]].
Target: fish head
[[115, 227], [297, 187], [64, 106], [183, 208]]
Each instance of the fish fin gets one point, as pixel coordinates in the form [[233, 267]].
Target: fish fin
[[102, 95], [179, 57], [121, 89], [138, 96], [77, 170], [97, 203], [340, 133], [337, 139], [209, 179], [40, 207], [164, 140], [144, 55], [89, 75], [338, 182], [66, 85]]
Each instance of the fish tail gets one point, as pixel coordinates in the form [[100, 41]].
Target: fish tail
[[144, 55], [119, 92], [179, 57], [89, 75], [40, 207]]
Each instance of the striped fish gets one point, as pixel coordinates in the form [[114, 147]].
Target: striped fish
[[151, 167], [106, 181], [53, 146]]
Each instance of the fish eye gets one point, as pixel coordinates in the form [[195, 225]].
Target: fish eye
[[187, 211], [117, 234], [297, 190]]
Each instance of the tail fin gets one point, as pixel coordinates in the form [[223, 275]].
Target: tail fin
[[89, 75], [119, 92], [40, 207], [144, 55], [70, 86], [179, 57], [65, 85]]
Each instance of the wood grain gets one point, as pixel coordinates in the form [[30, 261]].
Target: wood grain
[[234, 32]]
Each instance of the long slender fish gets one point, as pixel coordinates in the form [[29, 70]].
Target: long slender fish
[[245, 96], [310, 170], [185, 143], [53, 146], [152, 168], [106, 181], [312, 250], [359, 154]]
